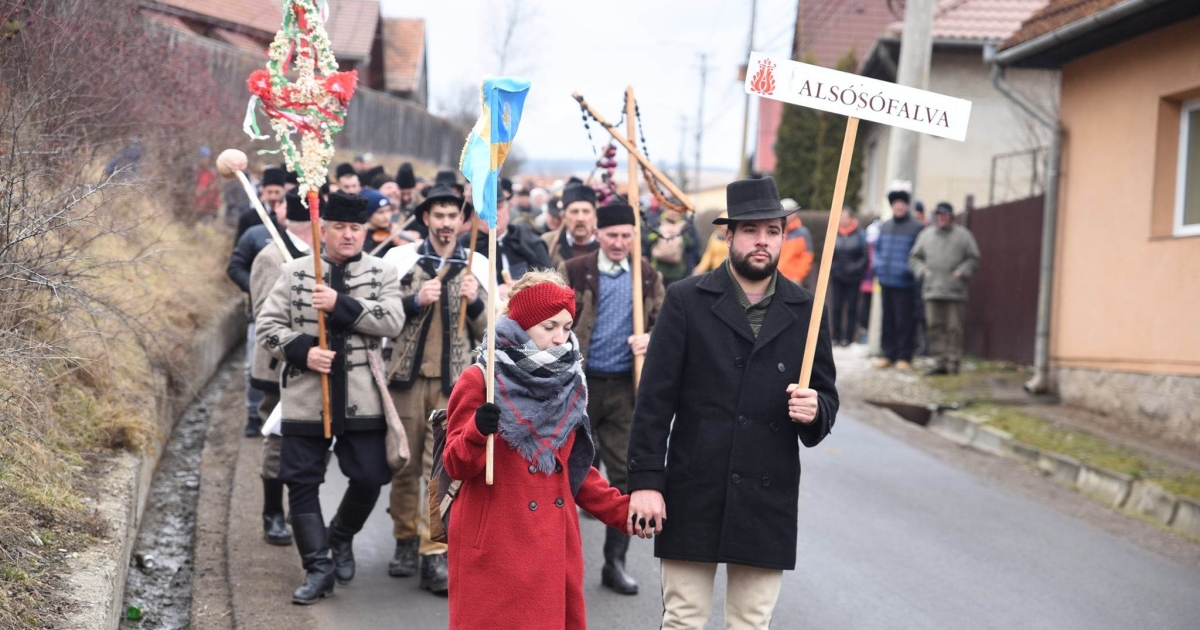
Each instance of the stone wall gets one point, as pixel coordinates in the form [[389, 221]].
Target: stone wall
[[1163, 405]]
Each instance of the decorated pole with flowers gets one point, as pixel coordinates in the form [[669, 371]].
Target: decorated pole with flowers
[[313, 106]]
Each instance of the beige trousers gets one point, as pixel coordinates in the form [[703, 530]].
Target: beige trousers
[[687, 589], [409, 506]]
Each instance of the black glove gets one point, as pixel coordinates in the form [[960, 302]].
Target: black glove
[[487, 418]]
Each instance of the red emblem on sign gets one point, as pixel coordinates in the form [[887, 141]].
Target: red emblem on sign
[[763, 81]]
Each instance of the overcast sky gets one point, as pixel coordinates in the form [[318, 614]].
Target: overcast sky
[[599, 48]]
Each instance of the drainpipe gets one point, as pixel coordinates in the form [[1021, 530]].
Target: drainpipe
[[1040, 383]]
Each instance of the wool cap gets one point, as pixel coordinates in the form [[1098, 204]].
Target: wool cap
[[343, 169], [296, 210], [274, 177], [944, 207], [346, 208], [578, 192], [533, 305], [898, 195], [553, 207], [375, 200], [405, 178], [615, 213]]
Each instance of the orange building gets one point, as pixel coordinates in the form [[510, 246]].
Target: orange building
[[1124, 323]]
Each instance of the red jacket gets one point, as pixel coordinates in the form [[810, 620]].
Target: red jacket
[[514, 547]]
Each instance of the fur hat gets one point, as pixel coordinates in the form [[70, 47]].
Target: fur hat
[[615, 213], [404, 177], [578, 192], [274, 177], [899, 195], [346, 208], [296, 211], [344, 169]]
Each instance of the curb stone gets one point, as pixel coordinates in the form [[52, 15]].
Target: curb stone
[[1024, 452], [1149, 499], [958, 429], [1061, 468], [96, 582], [1107, 486], [1187, 517], [991, 440]]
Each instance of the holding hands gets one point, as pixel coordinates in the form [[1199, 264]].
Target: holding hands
[[647, 512]]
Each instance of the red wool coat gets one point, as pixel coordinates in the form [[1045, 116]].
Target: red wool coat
[[514, 547]]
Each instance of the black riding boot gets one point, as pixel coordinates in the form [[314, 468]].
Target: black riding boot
[[274, 526], [349, 521], [253, 426], [614, 575], [435, 574], [404, 562], [312, 542]]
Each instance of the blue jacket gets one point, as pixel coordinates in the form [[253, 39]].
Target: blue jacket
[[896, 238]]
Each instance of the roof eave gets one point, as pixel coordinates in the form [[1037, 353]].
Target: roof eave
[[1027, 53]]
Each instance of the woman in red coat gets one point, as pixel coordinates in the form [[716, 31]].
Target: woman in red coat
[[514, 547]]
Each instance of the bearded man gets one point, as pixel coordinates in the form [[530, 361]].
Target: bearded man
[[720, 380]]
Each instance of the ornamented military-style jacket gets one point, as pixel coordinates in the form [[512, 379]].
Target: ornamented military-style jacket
[[368, 310], [266, 369], [415, 264]]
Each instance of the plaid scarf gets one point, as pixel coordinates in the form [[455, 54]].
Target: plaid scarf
[[542, 396]]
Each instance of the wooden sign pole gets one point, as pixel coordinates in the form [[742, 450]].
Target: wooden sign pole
[[634, 153], [831, 231], [639, 324], [313, 204], [491, 348]]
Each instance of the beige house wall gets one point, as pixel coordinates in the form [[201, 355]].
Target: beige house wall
[[1126, 295]]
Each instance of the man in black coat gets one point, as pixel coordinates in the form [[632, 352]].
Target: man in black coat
[[720, 381]]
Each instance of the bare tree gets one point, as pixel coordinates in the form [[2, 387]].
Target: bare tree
[[513, 20], [462, 106]]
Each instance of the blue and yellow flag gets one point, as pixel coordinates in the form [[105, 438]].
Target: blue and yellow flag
[[502, 99]]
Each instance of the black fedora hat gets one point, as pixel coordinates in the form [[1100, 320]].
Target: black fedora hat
[[752, 200], [444, 193]]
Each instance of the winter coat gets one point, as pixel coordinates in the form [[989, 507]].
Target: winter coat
[[266, 369], [796, 257], [731, 474], [559, 245], [520, 247], [583, 276], [253, 241], [896, 238], [941, 252], [850, 257], [368, 309], [409, 349], [515, 555]]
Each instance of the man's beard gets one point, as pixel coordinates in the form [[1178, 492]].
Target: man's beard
[[746, 269], [444, 237]]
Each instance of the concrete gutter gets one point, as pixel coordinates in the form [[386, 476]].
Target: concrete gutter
[[1074, 30], [96, 581]]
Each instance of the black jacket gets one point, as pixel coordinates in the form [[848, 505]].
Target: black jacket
[[524, 250], [731, 477], [247, 248], [850, 257]]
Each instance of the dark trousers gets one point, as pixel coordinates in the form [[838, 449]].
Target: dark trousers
[[845, 310], [610, 412], [362, 457], [898, 323]]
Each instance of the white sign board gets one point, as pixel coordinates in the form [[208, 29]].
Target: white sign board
[[860, 97]]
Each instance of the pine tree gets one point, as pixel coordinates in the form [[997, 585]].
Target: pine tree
[[808, 147]]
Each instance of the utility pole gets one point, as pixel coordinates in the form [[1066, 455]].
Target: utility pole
[[681, 169], [743, 169], [700, 116]]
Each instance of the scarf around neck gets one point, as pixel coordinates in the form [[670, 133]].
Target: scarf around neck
[[849, 229], [542, 395]]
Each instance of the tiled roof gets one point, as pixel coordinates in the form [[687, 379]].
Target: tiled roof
[[240, 41], [351, 25], [403, 50], [978, 20], [1056, 14], [830, 29]]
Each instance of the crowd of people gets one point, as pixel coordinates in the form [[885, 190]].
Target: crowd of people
[[710, 434]]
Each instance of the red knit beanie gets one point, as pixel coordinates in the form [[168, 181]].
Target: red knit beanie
[[535, 304]]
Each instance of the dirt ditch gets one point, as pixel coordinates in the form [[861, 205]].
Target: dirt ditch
[[158, 586]]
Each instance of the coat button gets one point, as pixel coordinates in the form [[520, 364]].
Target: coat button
[[775, 426], [766, 481], [742, 420], [781, 368], [739, 362], [532, 469], [558, 502], [736, 478], [533, 505], [557, 467]]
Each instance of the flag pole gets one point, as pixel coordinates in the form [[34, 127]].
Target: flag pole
[[639, 324], [835, 215], [462, 310], [491, 347]]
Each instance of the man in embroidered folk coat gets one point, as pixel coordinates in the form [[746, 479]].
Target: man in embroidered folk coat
[[361, 300], [603, 286], [425, 363]]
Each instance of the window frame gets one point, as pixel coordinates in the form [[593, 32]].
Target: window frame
[[1179, 227]]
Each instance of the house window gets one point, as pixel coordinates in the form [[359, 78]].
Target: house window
[[1187, 180]]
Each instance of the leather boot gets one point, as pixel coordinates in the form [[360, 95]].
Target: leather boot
[[614, 575], [312, 542], [349, 521], [435, 574], [253, 426], [404, 562], [274, 527]]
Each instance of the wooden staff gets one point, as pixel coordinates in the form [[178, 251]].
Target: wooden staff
[[231, 162], [835, 215], [633, 152], [639, 325], [314, 216], [491, 349], [462, 311]]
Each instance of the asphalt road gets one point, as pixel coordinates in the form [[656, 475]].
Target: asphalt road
[[893, 534]]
